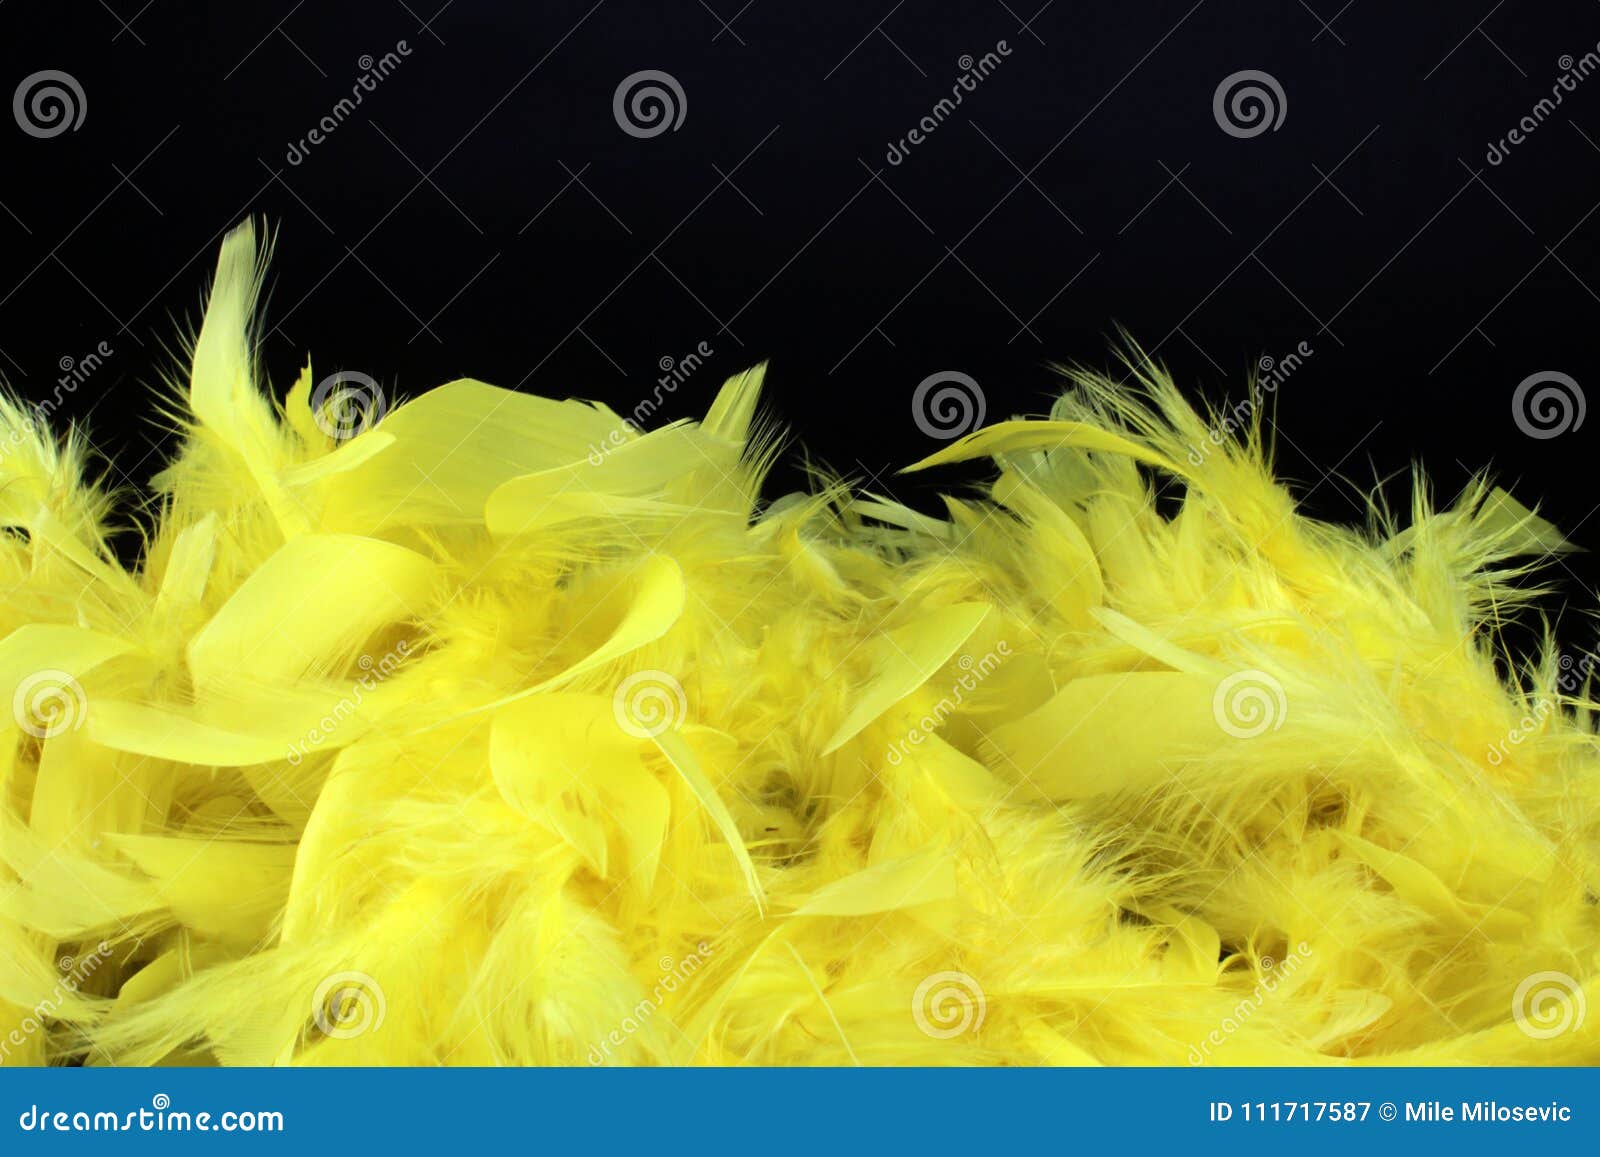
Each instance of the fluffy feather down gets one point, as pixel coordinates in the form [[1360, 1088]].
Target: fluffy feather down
[[647, 774]]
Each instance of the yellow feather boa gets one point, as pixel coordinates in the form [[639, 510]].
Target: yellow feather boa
[[498, 732]]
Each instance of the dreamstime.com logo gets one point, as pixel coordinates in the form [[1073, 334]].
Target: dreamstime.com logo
[[647, 703], [347, 403], [1249, 703], [48, 703], [649, 103], [947, 405], [348, 1004], [48, 104], [1248, 103], [1548, 404], [1547, 1004], [160, 1117], [947, 1004]]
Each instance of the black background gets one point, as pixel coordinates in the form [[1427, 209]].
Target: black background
[[483, 214]]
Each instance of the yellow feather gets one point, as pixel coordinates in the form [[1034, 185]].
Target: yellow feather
[[499, 731]]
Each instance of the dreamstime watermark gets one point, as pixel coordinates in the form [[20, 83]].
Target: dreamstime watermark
[[647, 703], [673, 974], [649, 103], [373, 73], [74, 372], [1248, 103], [347, 403], [974, 672], [1529, 725], [49, 103], [947, 1004], [674, 372], [1570, 680], [947, 405], [1273, 373], [1249, 703], [1573, 73], [48, 703], [973, 72], [1273, 973], [348, 1004], [76, 970], [1548, 404], [1547, 1004], [374, 673]]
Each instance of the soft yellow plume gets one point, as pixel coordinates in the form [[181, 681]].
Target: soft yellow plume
[[489, 729]]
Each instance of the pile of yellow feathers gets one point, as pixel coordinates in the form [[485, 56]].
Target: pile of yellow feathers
[[493, 730]]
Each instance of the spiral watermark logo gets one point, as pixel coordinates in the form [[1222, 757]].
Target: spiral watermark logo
[[1548, 1004], [48, 104], [1249, 703], [1249, 103], [947, 405], [947, 1004], [348, 1004], [1548, 404], [346, 403], [649, 103], [48, 703], [647, 703]]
